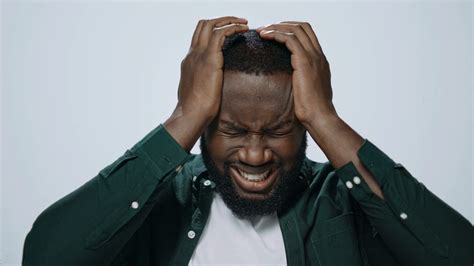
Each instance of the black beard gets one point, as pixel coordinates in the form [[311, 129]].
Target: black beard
[[288, 186]]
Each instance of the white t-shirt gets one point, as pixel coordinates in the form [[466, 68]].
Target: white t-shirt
[[228, 240]]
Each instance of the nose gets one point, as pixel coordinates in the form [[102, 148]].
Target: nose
[[254, 152]]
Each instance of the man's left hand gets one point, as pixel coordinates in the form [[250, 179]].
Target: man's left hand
[[312, 96], [311, 78]]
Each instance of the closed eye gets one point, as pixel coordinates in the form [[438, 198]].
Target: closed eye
[[277, 133], [233, 133], [281, 129]]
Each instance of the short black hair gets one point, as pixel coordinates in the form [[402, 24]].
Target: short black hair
[[247, 52]]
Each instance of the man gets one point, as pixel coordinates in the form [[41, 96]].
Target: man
[[252, 197]]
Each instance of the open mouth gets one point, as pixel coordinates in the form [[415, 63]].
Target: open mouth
[[254, 177], [260, 183]]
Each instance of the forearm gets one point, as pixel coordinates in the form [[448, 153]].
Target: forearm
[[418, 227], [91, 225], [340, 144], [186, 127]]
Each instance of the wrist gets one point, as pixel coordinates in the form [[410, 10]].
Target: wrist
[[186, 127], [320, 117], [324, 125]]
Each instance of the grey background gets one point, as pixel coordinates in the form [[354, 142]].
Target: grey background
[[84, 81]]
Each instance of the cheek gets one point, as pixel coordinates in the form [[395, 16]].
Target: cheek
[[221, 148], [286, 149]]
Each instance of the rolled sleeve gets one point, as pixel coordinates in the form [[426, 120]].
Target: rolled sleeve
[[417, 226]]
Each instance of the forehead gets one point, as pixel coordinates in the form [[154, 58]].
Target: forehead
[[256, 100]]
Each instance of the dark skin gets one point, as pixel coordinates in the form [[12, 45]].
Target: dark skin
[[255, 143], [204, 89]]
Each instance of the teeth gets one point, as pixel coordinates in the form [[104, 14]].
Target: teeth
[[254, 177]]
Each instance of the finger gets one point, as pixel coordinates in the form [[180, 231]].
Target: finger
[[209, 25], [288, 38], [310, 32], [219, 35], [298, 31], [195, 38], [219, 22]]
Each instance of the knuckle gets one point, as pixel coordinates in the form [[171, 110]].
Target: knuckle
[[325, 60], [199, 56], [191, 57], [305, 61], [186, 61], [210, 60], [319, 61], [203, 57], [184, 64]]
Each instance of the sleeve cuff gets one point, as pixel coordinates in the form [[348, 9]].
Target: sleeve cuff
[[397, 192], [376, 162], [162, 150], [353, 181]]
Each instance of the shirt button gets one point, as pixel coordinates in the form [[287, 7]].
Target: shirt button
[[194, 178], [349, 185], [403, 215], [207, 183], [191, 234], [356, 180], [134, 205]]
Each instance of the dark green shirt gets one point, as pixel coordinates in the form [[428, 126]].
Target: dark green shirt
[[140, 210]]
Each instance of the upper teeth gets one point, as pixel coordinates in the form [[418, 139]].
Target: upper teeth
[[254, 177]]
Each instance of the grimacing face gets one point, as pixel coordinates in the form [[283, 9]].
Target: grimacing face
[[255, 142]]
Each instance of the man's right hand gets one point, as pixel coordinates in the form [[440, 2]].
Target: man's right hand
[[200, 86]]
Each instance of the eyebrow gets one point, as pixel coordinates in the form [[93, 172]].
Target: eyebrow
[[231, 124], [280, 124]]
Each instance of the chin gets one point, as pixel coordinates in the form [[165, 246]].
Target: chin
[[253, 196]]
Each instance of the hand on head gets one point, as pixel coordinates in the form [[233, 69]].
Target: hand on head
[[202, 73]]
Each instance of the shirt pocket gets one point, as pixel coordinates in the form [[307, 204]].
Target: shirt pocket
[[335, 243], [117, 163]]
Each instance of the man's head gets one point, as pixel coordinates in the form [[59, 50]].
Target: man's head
[[255, 147]]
